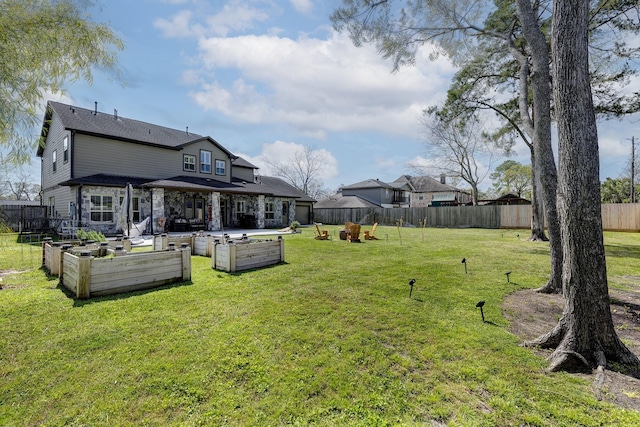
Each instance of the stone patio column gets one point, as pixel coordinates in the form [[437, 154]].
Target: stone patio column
[[215, 222], [157, 210], [260, 212]]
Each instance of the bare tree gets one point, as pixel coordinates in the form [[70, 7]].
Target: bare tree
[[302, 169], [458, 147], [16, 183], [585, 335]]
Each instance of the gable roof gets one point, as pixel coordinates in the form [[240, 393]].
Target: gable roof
[[113, 126]]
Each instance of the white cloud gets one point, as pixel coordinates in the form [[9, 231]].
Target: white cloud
[[302, 6], [282, 151], [235, 16], [318, 85]]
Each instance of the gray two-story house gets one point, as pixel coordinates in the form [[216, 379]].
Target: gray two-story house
[[181, 181]]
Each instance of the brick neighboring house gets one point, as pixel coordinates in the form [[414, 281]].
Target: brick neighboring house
[[89, 157], [404, 192]]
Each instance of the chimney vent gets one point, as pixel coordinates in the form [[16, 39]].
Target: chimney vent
[[187, 130], [95, 110], [443, 178], [115, 114]]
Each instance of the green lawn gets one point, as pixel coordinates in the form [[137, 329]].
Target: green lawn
[[330, 337]]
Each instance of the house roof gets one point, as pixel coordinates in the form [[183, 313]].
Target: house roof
[[368, 183], [338, 201], [239, 161], [268, 185], [114, 126], [426, 184]]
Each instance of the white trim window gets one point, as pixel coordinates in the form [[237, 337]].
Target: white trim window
[[269, 210], [240, 208], [65, 149], [101, 208], [189, 163], [221, 167], [205, 161], [135, 201]]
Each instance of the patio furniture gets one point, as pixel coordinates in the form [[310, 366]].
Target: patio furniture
[[322, 234], [369, 234]]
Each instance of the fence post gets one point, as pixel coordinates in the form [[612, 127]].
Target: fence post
[[65, 248], [186, 262], [214, 244], [83, 290], [281, 240]]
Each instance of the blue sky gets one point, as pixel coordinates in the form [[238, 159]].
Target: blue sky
[[265, 78]]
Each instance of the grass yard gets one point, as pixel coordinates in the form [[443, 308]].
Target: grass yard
[[328, 338]]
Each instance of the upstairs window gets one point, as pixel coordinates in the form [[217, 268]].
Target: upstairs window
[[54, 160], [65, 149], [205, 161], [101, 208], [189, 163], [221, 167]]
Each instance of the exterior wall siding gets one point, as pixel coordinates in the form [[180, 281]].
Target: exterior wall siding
[[245, 174], [49, 178], [100, 155]]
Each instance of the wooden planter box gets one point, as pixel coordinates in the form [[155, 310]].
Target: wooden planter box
[[200, 245], [244, 256], [52, 252], [87, 276]]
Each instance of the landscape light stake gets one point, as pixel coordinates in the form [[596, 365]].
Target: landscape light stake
[[480, 304], [411, 283], [464, 261], [507, 274]]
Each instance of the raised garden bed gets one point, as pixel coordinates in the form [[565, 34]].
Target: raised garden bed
[[244, 255], [86, 275]]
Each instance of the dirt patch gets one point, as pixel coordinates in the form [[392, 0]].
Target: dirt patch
[[533, 314]]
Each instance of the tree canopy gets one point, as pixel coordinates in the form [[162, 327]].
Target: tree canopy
[[512, 177], [44, 43]]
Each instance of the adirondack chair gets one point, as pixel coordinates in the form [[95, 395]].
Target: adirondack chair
[[354, 233], [369, 235], [322, 235]]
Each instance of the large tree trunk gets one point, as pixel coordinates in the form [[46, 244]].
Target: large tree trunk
[[537, 205], [543, 162], [584, 335]]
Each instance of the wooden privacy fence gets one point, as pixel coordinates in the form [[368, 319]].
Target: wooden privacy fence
[[615, 217]]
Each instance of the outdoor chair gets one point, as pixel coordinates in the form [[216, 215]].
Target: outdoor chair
[[370, 234], [322, 235], [354, 233]]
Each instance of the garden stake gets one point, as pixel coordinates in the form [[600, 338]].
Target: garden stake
[[481, 304], [464, 261], [507, 274], [411, 283]]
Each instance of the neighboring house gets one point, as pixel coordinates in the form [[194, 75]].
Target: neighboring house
[[404, 192], [427, 191], [180, 180], [379, 193]]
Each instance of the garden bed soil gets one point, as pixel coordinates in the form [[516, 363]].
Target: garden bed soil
[[532, 314]]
